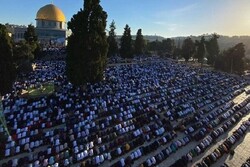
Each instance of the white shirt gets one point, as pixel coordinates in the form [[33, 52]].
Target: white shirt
[[119, 151], [91, 145], [122, 162], [97, 159], [49, 151], [101, 158], [17, 149], [7, 152], [99, 140], [153, 160]]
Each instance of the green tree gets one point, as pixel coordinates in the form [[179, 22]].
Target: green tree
[[30, 34], [168, 46], [113, 47], [201, 50], [25, 51], [32, 40], [247, 63], [219, 63], [23, 56], [236, 55], [188, 49], [177, 53], [177, 50], [87, 46], [196, 45], [126, 43], [231, 60], [139, 43], [154, 46], [212, 48], [7, 68]]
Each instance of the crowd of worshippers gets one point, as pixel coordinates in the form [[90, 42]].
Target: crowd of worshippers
[[131, 111], [235, 114], [226, 146], [210, 139]]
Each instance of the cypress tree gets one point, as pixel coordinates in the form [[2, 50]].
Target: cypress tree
[[30, 34], [87, 46], [31, 39], [7, 68], [126, 43], [201, 49], [139, 43], [113, 47], [213, 49], [188, 48]]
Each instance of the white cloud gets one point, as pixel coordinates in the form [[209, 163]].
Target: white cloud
[[168, 26], [160, 23], [176, 12], [173, 27], [184, 10]]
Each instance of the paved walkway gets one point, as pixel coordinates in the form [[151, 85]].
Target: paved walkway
[[242, 152], [238, 158]]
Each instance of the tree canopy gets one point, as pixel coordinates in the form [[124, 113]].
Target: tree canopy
[[168, 46], [212, 48], [200, 51], [25, 51], [176, 53], [231, 60], [30, 34], [126, 43], [113, 47], [87, 46], [154, 46], [139, 43], [188, 48], [165, 47], [7, 68], [23, 55]]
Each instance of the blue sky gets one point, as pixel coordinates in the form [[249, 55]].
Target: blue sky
[[168, 18]]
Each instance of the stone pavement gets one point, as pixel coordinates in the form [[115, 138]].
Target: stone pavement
[[242, 152], [238, 158]]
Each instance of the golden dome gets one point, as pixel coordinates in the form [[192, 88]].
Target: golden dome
[[50, 12]]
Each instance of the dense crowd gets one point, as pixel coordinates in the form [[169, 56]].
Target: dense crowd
[[228, 120], [117, 121]]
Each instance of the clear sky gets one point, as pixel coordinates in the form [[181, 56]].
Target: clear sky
[[168, 18]]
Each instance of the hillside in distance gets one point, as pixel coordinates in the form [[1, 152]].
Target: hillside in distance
[[224, 42], [149, 38]]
